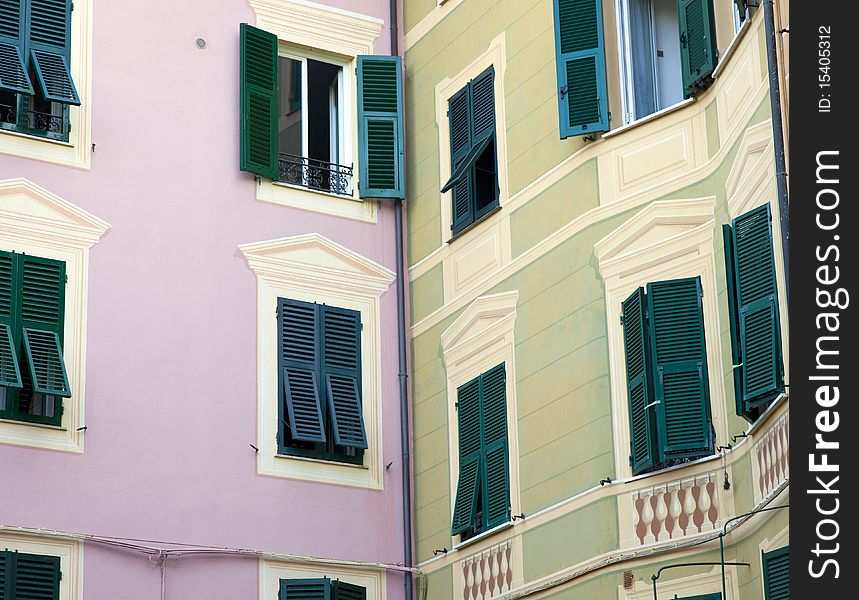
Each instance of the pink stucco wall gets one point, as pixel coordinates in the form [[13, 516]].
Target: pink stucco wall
[[171, 337]]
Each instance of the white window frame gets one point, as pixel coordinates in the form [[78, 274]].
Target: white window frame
[[35, 221], [312, 268], [271, 571], [70, 552]]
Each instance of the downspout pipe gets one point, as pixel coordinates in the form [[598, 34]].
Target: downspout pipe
[[778, 138], [403, 362]]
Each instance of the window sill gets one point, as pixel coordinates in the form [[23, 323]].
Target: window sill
[[474, 225], [320, 461], [732, 48], [31, 424], [651, 117], [315, 191], [483, 536], [284, 194], [691, 463], [30, 136]]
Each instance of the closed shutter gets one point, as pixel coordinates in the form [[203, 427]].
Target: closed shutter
[[756, 297], [298, 363], [42, 297], [50, 49], [341, 348], [305, 589], [380, 127], [642, 423], [5, 575], [495, 470], [580, 57], [776, 567], [340, 590], [470, 456], [258, 100], [698, 50], [10, 371], [459, 113], [679, 358], [32, 576], [13, 70]]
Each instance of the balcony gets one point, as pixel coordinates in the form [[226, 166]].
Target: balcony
[[315, 174]]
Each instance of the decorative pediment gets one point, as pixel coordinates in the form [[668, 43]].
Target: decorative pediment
[[32, 211], [753, 166], [658, 231], [316, 261], [488, 317]]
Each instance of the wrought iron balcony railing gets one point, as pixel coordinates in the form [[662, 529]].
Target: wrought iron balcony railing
[[32, 121], [315, 174]]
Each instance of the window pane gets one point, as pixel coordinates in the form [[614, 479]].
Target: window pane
[[322, 109], [485, 181], [289, 122]]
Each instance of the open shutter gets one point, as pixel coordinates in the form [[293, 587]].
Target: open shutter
[[341, 333], [43, 290], [459, 112], [698, 50], [298, 362], [13, 70], [642, 424], [10, 370], [380, 127], [305, 589], [734, 318], [776, 567], [580, 57], [470, 456], [340, 590], [759, 332], [35, 577], [495, 455], [258, 99], [680, 366], [50, 36]]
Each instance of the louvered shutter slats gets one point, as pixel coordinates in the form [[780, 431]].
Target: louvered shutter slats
[[305, 589], [258, 101], [465, 505], [698, 48], [13, 68], [10, 371], [641, 420], [776, 566], [470, 443], [347, 591], [497, 485], [50, 27], [342, 353], [345, 401], [380, 127], [29, 576], [581, 71], [45, 358]]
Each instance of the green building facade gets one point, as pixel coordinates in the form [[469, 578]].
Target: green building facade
[[598, 301]]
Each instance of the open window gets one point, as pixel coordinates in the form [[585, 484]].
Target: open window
[[660, 64]]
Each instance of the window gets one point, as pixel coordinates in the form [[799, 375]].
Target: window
[[702, 597], [483, 489], [754, 311], [474, 170], [740, 13], [776, 567], [319, 373], [33, 377], [296, 115], [320, 589], [36, 85], [29, 575], [666, 373]]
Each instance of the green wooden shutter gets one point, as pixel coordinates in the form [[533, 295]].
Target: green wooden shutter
[[580, 58], [459, 112], [734, 321], [758, 327], [341, 348], [679, 357], [258, 100], [340, 590], [13, 69], [10, 370], [698, 50], [776, 567], [5, 575], [305, 589], [642, 423], [470, 456], [496, 485], [482, 90], [380, 127], [42, 311], [50, 49], [298, 364], [34, 577]]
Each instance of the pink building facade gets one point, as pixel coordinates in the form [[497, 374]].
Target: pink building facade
[[198, 362]]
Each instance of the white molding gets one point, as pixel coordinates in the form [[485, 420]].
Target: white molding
[[312, 268], [481, 338], [37, 222], [272, 571], [75, 152], [691, 585], [667, 239], [69, 551]]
